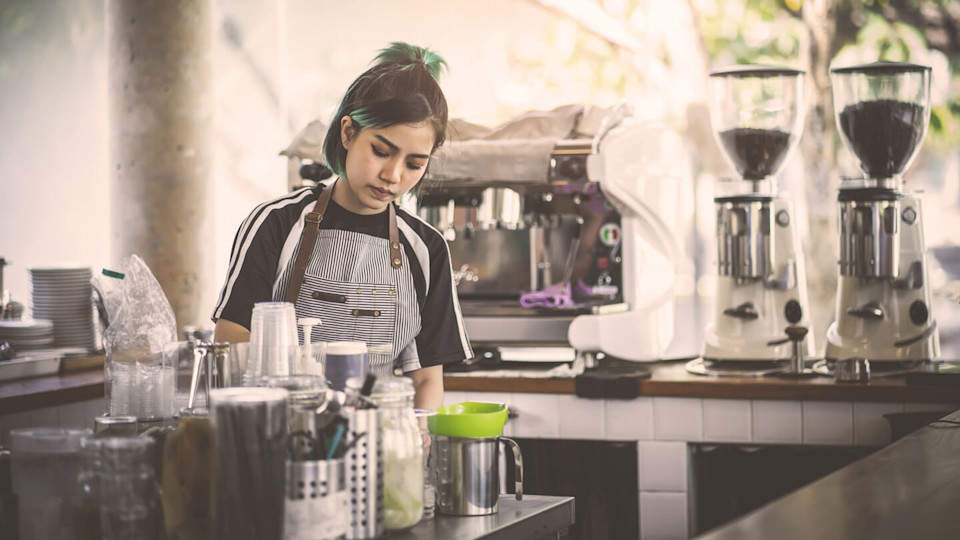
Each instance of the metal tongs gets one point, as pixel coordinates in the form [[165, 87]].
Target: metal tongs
[[211, 359]]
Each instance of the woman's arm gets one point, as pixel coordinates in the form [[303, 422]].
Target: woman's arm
[[230, 332], [428, 394], [428, 387]]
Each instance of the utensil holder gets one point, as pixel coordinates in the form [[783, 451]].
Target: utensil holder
[[364, 473], [316, 504]]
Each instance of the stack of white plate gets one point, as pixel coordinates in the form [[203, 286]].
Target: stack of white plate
[[27, 334], [64, 295]]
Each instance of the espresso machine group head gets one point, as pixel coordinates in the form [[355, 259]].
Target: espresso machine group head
[[883, 309], [757, 116]]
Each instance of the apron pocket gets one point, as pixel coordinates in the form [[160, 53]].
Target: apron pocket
[[327, 297], [351, 312]]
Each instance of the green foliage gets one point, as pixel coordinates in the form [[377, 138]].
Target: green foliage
[[769, 32], [896, 41], [750, 32]]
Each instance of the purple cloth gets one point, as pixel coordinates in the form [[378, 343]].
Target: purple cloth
[[554, 296]]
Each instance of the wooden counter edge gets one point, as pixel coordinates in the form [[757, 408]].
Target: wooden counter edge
[[40, 392], [888, 390]]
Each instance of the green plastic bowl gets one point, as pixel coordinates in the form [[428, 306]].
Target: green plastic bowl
[[469, 419]]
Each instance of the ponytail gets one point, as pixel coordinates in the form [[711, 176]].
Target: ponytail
[[411, 56]]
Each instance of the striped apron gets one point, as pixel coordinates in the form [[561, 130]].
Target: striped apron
[[356, 285]]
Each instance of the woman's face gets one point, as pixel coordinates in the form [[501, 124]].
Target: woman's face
[[382, 164]]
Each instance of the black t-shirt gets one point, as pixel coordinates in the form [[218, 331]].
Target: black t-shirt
[[267, 241]]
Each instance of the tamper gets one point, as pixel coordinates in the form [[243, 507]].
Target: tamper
[[797, 366]]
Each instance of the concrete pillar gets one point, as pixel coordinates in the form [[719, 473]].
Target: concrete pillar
[[161, 124]]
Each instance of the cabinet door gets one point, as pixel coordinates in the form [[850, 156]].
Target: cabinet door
[[730, 480], [600, 475]]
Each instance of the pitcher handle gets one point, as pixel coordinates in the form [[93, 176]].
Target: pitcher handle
[[518, 465]]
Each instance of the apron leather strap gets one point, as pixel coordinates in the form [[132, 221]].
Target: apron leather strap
[[308, 240], [395, 258], [311, 226]]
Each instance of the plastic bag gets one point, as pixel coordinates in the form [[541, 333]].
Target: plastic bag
[[135, 314]]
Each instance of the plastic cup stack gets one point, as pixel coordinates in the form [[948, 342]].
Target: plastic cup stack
[[273, 338]]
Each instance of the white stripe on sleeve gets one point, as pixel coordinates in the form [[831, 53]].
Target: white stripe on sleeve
[[246, 235]]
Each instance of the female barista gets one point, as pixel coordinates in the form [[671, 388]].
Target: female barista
[[346, 253]]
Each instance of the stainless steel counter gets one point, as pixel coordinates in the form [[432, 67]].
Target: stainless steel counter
[[536, 517]]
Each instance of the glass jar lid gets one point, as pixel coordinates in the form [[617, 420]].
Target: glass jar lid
[[383, 385], [384, 388]]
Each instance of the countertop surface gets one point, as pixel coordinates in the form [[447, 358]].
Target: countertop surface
[[909, 489], [533, 518], [670, 379]]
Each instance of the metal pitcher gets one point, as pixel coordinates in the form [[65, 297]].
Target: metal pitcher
[[468, 475]]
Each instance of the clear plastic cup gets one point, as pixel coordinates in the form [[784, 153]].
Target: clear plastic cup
[[234, 365], [142, 383], [273, 337]]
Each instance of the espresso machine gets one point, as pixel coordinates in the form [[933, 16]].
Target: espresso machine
[[757, 116], [883, 305], [554, 252]]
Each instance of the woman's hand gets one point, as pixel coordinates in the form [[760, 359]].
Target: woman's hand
[[428, 394]]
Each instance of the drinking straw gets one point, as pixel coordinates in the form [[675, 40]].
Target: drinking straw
[[336, 441]]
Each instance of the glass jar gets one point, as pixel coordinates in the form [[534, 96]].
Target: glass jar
[[86, 509], [187, 476], [429, 482], [114, 426], [44, 466], [402, 450], [116, 490]]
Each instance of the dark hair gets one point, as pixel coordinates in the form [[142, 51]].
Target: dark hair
[[400, 88]]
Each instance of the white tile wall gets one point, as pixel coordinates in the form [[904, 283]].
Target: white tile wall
[[452, 397], [581, 418], [662, 466], [869, 426], [495, 397], [629, 419], [677, 419], [828, 422], [663, 516], [777, 421], [727, 420], [538, 415]]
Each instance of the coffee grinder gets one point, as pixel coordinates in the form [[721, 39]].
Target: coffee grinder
[[883, 296], [757, 116]]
